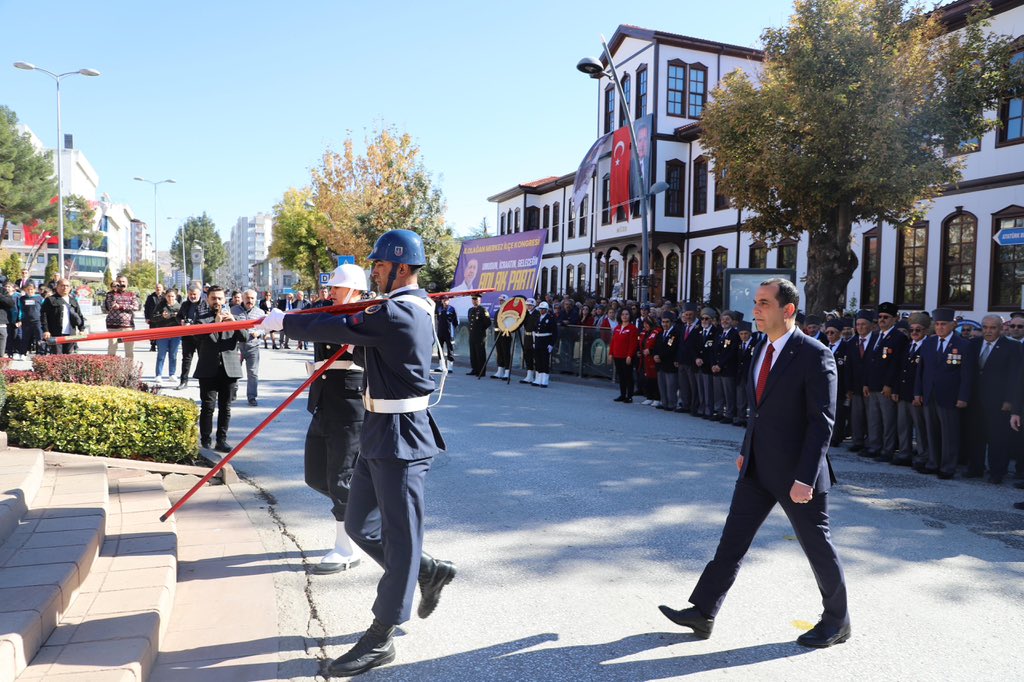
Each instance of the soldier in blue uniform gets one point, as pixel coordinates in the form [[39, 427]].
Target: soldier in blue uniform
[[943, 386], [545, 339], [398, 441], [447, 326], [529, 326]]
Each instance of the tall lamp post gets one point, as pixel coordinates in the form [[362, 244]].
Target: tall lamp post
[[155, 183], [595, 69], [59, 147]]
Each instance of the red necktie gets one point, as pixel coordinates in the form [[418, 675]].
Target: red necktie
[[766, 367]]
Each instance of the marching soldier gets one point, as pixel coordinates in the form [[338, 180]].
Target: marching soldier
[[398, 441], [529, 326], [881, 376], [545, 339], [943, 386], [479, 320], [502, 345], [332, 439], [447, 324]]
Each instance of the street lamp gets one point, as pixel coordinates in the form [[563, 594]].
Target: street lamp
[[57, 77], [155, 183], [596, 70]]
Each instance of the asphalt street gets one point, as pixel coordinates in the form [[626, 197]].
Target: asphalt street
[[571, 517]]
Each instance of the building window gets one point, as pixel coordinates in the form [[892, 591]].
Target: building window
[[516, 221], [501, 227], [641, 92], [719, 262], [697, 276], [698, 90], [758, 257], [786, 255], [700, 186], [675, 171], [547, 222], [572, 220], [632, 278], [581, 278], [609, 108], [543, 281], [613, 278], [959, 236], [606, 214], [672, 276], [532, 218], [583, 216], [676, 87], [911, 264], [624, 105], [569, 274], [1011, 114], [556, 287], [1007, 262], [556, 226], [870, 268], [721, 201]]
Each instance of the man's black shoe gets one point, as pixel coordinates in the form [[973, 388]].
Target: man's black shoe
[[205, 443], [471, 373], [1019, 485], [883, 457], [945, 477], [690, 618], [222, 446], [740, 423], [252, 402], [995, 479], [1018, 505], [375, 648], [434, 575], [183, 384], [973, 474], [902, 460], [871, 454], [822, 636], [628, 400], [619, 399]]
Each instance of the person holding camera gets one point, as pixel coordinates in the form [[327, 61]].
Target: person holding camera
[[120, 306]]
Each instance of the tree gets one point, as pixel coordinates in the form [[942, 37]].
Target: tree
[[11, 266], [108, 277], [52, 270], [199, 229], [386, 188], [857, 115], [27, 185], [481, 231], [300, 238], [141, 274]]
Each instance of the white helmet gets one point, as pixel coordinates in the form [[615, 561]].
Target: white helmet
[[350, 276]]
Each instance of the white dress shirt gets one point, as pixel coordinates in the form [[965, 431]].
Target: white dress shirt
[[779, 344]]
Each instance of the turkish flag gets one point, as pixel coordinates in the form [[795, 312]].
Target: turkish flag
[[620, 168]]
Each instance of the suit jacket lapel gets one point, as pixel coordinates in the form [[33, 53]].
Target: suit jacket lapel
[[785, 357]]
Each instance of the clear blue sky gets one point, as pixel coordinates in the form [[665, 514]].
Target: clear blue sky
[[237, 100]]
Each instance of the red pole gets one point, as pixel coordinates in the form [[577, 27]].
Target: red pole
[[262, 425]]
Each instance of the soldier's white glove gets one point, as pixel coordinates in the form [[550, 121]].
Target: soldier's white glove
[[273, 322], [550, 348]]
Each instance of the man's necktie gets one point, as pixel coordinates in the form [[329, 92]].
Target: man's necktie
[[985, 350], [863, 344], [942, 346], [766, 367]]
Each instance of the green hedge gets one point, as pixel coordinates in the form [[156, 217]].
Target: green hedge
[[101, 420]]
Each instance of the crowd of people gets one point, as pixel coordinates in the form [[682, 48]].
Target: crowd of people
[[930, 391]]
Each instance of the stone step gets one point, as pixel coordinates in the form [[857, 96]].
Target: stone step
[[114, 627], [44, 561], [21, 473]]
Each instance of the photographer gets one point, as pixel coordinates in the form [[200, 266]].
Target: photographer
[[192, 308], [120, 306]]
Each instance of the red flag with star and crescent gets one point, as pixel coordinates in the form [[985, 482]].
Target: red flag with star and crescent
[[619, 191]]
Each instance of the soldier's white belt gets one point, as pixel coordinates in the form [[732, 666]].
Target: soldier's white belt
[[340, 364], [542, 333], [400, 406]]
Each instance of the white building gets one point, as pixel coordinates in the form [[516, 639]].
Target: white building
[[270, 275], [949, 259], [113, 220], [249, 244]]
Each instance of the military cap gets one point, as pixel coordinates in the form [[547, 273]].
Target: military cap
[[543, 306], [813, 319], [846, 322], [865, 314], [736, 315], [889, 309], [689, 307], [709, 311], [834, 324], [746, 327], [943, 314], [921, 318], [667, 315], [1017, 313]]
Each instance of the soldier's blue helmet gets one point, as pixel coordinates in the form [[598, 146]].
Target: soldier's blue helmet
[[399, 246]]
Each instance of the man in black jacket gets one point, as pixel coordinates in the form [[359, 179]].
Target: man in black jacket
[[151, 302], [690, 342], [881, 381], [61, 317], [725, 362], [8, 309], [987, 422], [218, 368], [192, 309]]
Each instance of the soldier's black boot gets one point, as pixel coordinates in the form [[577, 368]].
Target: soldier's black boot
[[375, 648], [434, 575]]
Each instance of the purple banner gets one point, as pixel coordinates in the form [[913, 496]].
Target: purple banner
[[509, 264]]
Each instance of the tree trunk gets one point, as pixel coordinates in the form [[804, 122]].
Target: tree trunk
[[830, 264]]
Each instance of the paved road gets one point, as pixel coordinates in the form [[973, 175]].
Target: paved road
[[572, 517]]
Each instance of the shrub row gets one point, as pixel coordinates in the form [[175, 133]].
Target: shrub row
[[92, 370], [101, 420]]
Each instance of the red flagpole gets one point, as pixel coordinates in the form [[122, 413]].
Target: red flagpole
[[262, 425]]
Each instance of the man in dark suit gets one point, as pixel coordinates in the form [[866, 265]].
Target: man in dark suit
[[910, 424], [479, 320], [724, 364], [62, 316], [686, 354], [943, 386], [664, 357], [839, 347], [287, 304], [217, 369], [997, 365], [746, 358], [705, 359], [856, 362], [881, 377], [783, 460]]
